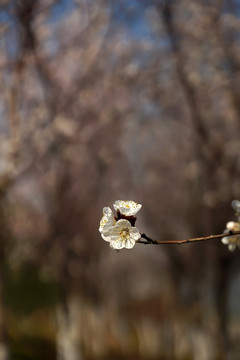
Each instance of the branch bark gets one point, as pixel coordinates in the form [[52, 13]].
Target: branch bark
[[184, 241]]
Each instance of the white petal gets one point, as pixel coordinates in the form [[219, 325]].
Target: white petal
[[107, 220], [232, 247], [134, 233], [129, 243], [123, 223], [118, 245], [118, 204], [106, 236], [230, 225], [107, 210], [112, 234], [128, 208], [225, 240]]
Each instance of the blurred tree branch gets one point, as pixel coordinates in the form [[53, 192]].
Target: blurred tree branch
[[215, 154]]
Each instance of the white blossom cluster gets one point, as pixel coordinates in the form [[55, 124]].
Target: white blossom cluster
[[234, 240], [120, 231]]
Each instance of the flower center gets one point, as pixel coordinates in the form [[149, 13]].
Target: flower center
[[124, 233]]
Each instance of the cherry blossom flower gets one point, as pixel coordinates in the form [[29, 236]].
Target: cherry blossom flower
[[121, 235], [120, 231], [234, 240], [127, 208], [107, 220]]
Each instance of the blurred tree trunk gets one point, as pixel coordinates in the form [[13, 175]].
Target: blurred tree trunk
[[211, 156], [4, 352], [67, 337]]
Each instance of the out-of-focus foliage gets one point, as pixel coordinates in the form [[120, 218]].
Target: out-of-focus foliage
[[105, 100]]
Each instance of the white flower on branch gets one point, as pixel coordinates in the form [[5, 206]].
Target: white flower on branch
[[234, 240], [120, 231], [122, 235], [127, 208]]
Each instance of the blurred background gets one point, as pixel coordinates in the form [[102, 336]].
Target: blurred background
[[103, 100]]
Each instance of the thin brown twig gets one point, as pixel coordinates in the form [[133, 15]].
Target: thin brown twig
[[180, 242]]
